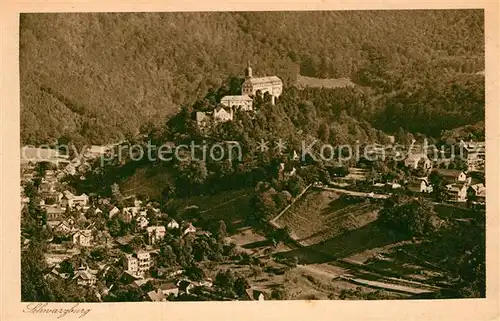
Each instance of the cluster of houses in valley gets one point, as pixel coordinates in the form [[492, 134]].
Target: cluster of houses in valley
[[425, 157], [461, 185], [229, 105], [79, 164], [74, 222]]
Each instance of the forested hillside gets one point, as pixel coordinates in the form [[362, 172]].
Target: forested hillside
[[95, 78]]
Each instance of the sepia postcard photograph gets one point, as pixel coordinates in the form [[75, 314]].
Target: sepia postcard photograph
[[252, 155]]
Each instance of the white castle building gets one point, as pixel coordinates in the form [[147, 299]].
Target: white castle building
[[270, 84], [244, 102], [238, 102]]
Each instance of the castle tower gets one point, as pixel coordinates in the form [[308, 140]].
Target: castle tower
[[248, 70]]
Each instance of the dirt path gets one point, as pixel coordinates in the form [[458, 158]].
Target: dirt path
[[389, 286], [274, 220], [323, 270], [224, 203], [353, 193]]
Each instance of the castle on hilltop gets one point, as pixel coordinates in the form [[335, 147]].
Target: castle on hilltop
[[270, 84], [244, 102]]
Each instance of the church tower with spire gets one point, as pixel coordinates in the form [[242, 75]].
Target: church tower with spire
[[253, 85], [248, 70]]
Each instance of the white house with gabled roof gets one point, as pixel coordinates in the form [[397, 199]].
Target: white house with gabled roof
[[238, 102]]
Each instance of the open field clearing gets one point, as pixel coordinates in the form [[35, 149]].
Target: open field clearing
[[231, 206], [303, 81], [145, 182]]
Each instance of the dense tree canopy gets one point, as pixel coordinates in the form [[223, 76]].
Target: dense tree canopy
[[96, 77]]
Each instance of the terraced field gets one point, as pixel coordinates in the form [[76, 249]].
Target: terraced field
[[323, 215]]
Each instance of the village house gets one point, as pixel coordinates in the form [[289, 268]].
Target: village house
[[55, 273], [77, 161], [82, 238], [475, 155], [131, 263], [96, 151], [425, 186], [208, 283], [189, 229], [138, 263], [173, 225], [156, 296], [46, 187], [453, 176], [50, 198], [203, 119], [457, 192], [113, 212], [271, 85], [142, 222], [50, 177], [236, 103], [164, 272], [393, 185], [222, 114], [126, 216], [54, 213], [70, 200], [414, 161], [104, 202], [128, 213], [284, 173], [254, 295], [155, 234], [477, 193], [168, 289], [70, 169], [84, 277], [185, 286], [50, 173], [132, 210], [63, 227]]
